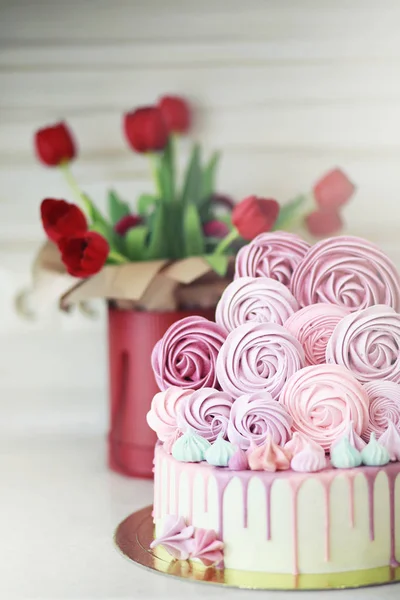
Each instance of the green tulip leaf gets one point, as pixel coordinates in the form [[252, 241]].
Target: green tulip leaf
[[218, 262], [192, 189], [289, 212], [192, 231], [146, 204], [158, 245], [166, 171], [209, 175], [117, 208], [135, 242]]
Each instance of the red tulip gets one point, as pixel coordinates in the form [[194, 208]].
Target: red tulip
[[61, 219], [55, 145], [176, 113], [145, 129], [323, 222], [215, 229], [85, 254], [254, 215], [333, 190], [126, 223]]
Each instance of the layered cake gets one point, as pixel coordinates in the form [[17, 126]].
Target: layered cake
[[279, 424]]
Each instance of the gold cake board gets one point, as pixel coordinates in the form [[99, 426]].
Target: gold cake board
[[135, 534]]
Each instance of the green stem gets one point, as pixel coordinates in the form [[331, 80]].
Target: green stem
[[73, 184], [227, 241], [117, 257], [153, 158]]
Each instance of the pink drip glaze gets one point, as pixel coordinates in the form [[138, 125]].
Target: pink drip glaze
[[268, 486], [168, 488], [223, 477]]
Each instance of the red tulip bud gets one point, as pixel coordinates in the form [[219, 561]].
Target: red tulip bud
[[145, 129], [176, 113], [54, 145], [85, 254], [61, 219], [126, 223], [323, 222], [254, 215], [216, 229], [333, 190]]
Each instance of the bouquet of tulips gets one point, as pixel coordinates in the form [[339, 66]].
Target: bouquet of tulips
[[177, 220]]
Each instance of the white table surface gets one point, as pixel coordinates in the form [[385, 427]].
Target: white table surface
[[59, 503]]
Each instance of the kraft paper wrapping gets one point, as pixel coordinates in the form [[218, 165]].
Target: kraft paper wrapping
[[158, 285]]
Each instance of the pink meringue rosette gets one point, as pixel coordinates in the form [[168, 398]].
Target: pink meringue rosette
[[368, 344], [255, 299], [256, 416], [268, 457], [186, 355], [322, 400], [206, 411], [162, 416], [256, 357], [348, 271], [313, 326], [273, 254], [384, 406]]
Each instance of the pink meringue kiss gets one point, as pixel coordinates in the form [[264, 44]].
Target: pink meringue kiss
[[256, 416], [347, 271], [255, 299], [256, 357], [384, 406], [162, 416], [390, 440], [206, 411], [176, 538], [368, 344], [268, 457], [239, 461], [272, 255], [207, 547], [309, 460], [298, 442], [186, 355], [322, 400], [313, 326]]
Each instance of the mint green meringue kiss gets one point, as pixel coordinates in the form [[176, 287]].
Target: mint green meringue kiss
[[220, 452], [191, 447], [344, 455], [374, 454]]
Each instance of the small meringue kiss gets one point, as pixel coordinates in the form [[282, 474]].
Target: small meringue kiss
[[309, 460]]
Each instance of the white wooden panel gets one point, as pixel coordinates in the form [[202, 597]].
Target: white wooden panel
[[285, 89]]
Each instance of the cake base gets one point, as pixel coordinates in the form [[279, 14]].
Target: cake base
[[135, 534]]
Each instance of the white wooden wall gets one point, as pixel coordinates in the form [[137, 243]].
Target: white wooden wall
[[286, 88]]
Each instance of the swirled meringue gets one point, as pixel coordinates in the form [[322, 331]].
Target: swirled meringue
[[254, 417], [176, 538], [255, 299], [345, 456], [219, 454], [390, 440], [347, 271], [322, 400], [299, 442], [272, 255], [384, 406], [374, 454], [207, 547], [355, 440], [255, 357], [309, 460], [186, 354], [170, 441], [368, 344], [268, 457], [190, 447], [313, 326], [238, 461], [162, 416], [206, 412]]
